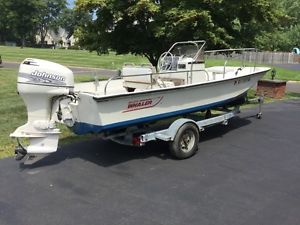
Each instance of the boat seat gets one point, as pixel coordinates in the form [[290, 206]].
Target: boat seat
[[138, 74], [175, 81], [217, 72], [139, 77]]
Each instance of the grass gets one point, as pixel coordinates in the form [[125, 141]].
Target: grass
[[287, 96], [284, 74], [70, 57], [12, 110], [281, 73], [84, 58]]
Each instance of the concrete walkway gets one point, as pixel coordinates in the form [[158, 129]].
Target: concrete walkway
[[293, 86]]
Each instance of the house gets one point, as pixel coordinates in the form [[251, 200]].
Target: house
[[57, 39]]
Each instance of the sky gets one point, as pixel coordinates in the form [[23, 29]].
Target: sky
[[71, 3]]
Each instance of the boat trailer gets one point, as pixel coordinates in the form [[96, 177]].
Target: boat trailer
[[182, 134]]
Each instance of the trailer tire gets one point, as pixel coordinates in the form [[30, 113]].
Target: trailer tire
[[185, 143]]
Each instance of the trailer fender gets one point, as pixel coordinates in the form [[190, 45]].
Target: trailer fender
[[173, 129]]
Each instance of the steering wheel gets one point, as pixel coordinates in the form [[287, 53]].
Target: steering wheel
[[165, 61]]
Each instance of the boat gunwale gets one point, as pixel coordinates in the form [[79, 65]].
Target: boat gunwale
[[150, 91]]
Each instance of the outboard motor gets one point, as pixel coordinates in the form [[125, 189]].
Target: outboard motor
[[40, 82]]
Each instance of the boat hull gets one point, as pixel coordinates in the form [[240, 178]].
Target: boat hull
[[119, 111]]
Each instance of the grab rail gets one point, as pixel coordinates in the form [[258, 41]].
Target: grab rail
[[109, 80], [224, 70], [151, 77], [190, 72], [240, 54], [230, 50]]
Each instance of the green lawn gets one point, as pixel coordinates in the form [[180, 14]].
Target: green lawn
[[70, 57], [284, 74], [111, 61], [281, 73], [12, 110]]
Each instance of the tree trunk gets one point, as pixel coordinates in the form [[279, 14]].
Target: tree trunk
[[23, 41], [43, 33], [42, 40], [152, 59]]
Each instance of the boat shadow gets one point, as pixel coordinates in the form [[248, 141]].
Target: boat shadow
[[219, 130], [108, 153]]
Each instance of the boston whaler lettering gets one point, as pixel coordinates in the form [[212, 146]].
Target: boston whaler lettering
[[119, 108], [142, 104]]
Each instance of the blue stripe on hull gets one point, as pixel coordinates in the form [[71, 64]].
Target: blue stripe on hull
[[84, 128]]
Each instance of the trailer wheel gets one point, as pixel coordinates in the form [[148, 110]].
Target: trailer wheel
[[185, 143]]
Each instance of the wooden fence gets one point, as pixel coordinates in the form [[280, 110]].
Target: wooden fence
[[261, 57], [277, 58]]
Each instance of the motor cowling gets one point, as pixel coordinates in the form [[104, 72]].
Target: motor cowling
[[38, 82], [45, 73]]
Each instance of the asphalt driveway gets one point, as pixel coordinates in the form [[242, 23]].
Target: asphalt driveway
[[244, 173], [295, 66]]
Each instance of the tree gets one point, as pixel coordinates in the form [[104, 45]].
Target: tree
[[71, 19], [291, 29], [22, 20], [49, 16], [146, 27], [23, 16], [285, 35], [291, 8], [4, 21]]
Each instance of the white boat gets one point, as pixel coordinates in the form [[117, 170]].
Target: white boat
[[138, 95]]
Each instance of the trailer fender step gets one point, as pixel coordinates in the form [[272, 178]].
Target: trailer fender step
[[175, 126]]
